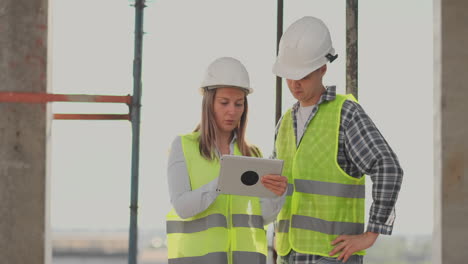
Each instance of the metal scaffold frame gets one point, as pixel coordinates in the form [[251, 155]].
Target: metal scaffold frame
[[134, 104], [135, 118]]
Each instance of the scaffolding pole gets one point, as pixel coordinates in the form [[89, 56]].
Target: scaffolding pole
[[352, 47], [279, 33], [135, 117]]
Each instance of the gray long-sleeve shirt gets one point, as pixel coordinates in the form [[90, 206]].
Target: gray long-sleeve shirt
[[188, 202]]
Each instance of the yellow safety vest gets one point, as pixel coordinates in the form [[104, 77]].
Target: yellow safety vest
[[229, 231], [326, 201]]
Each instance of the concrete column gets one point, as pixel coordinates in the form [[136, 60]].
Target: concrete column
[[352, 58], [24, 133], [451, 131]]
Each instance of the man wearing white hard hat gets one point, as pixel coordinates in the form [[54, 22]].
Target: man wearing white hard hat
[[204, 225], [328, 144]]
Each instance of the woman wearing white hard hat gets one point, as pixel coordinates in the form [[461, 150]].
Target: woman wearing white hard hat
[[205, 226]]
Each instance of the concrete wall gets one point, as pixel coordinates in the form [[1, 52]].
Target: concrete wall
[[23, 133], [451, 131]]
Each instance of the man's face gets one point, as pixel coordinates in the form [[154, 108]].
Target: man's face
[[309, 88]]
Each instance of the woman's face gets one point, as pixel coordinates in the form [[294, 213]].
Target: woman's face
[[228, 108]]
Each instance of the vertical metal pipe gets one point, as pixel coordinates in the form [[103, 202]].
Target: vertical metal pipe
[[135, 119], [352, 47], [279, 33]]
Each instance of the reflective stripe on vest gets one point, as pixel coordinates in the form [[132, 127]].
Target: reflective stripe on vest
[[214, 220], [245, 220], [290, 189], [201, 224], [326, 202], [330, 188], [283, 226], [238, 257], [327, 227], [243, 257], [215, 257], [319, 225]]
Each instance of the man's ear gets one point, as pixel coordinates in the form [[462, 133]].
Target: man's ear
[[323, 70]]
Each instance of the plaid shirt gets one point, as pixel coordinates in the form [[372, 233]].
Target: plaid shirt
[[362, 150]]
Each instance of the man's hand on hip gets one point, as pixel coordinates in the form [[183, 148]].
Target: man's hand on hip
[[349, 244]]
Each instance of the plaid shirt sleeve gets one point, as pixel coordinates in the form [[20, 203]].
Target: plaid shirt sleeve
[[366, 150]]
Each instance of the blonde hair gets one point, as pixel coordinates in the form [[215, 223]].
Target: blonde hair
[[208, 129]]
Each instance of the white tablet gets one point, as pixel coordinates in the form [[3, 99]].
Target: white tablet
[[241, 175]]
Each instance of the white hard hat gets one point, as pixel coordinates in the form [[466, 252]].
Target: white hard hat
[[304, 47], [226, 71]]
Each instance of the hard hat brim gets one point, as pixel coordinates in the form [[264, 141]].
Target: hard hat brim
[[291, 72], [247, 90]]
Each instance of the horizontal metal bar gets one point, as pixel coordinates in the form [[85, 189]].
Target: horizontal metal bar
[[14, 97], [92, 116]]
